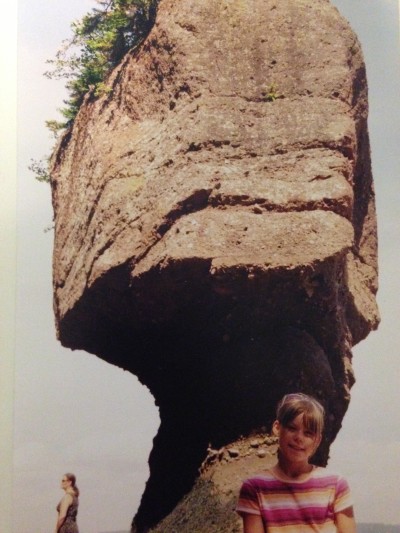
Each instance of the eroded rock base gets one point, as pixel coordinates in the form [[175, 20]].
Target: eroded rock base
[[210, 504]]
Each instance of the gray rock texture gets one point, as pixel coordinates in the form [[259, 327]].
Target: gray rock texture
[[215, 228]]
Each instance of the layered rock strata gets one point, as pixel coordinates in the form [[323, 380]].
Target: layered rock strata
[[215, 228]]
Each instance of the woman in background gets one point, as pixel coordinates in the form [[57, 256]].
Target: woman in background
[[68, 507]]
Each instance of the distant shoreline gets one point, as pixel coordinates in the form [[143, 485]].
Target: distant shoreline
[[361, 528]]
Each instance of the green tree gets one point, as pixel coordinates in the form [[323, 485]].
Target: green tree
[[100, 39], [98, 43]]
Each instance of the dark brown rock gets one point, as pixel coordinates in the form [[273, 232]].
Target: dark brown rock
[[215, 223]]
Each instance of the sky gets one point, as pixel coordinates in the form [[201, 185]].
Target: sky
[[74, 412], [8, 197]]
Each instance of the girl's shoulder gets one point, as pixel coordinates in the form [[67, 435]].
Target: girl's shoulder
[[320, 478], [267, 473], [262, 478], [326, 476], [321, 472]]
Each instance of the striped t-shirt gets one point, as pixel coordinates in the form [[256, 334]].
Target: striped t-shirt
[[289, 506]]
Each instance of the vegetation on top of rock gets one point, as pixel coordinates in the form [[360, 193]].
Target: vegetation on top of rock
[[270, 94], [100, 39]]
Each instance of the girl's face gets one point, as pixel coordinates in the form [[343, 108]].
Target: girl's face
[[296, 443]]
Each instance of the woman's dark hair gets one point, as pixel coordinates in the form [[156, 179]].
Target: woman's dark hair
[[72, 479]]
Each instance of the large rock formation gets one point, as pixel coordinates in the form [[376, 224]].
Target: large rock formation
[[215, 223]]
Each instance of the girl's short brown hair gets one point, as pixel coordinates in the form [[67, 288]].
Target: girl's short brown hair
[[298, 403]]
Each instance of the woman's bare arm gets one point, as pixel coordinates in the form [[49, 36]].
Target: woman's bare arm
[[64, 504]]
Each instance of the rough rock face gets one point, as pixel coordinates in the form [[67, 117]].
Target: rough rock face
[[209, 506], [215, 223]]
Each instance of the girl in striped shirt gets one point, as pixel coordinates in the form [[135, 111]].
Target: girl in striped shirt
[[295, 496]]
